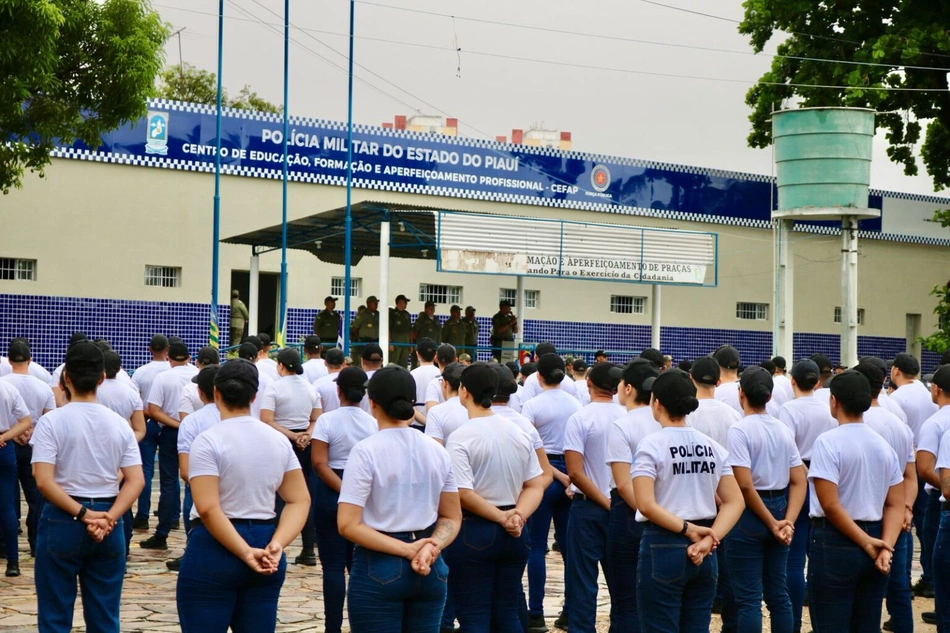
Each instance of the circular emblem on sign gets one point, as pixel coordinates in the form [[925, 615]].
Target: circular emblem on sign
[[600, 178]]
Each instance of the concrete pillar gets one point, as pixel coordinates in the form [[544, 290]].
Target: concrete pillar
[[655, 317], [253, 293], [519, 299], [784, 292], [849, 291], [384, 229]]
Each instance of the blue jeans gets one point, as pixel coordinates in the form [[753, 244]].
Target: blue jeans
[[554, 505], [65, 552], [169, 497], [24, 455], [845, 591], [941, 561], [756, 562], [795, 568], [727, 599], [307, 536], [623, 552], [919, 520], [931, 525], [487, 565], [673, 594], [898, 586], [587, 547], [147, 448], [186, 506], [336, 554], [9, 526], [386, 596], [217, 590]]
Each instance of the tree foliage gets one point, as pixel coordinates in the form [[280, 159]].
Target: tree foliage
[[71, 70], [184, 82], [895, 35]]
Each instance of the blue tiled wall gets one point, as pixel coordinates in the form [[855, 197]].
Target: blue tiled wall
[[48, 322]]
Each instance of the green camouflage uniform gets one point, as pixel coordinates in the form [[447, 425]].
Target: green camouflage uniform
[[400, 328], [326, 325]]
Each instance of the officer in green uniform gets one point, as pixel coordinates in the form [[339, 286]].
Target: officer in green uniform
[[326, 324], [365, 327], [470, 327], [504, 325], [453, 332], [427, 325], [400, 331]]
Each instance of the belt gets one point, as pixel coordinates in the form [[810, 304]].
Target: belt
[[822, 522], [92, 500], [551, 456], [773, 494], [411, 536], [807, 463], [197, 522], [699, 522], [298, 430], [614, 493], [471, 515], [579, 496], [944, 505]]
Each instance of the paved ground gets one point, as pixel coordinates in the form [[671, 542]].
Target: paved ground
[[148, 597]]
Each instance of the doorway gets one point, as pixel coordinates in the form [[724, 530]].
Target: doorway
[[267, 298]]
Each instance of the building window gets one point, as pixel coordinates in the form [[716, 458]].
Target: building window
[[752, 311], [13, 269], [438, 293], [338, 286], [838, 315], [531, 297], [163, 276], [624, 304]]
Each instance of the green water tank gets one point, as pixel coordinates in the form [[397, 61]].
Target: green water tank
[[823, 158]]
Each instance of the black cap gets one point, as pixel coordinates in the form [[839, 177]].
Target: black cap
[[727, 356], [178, 351], [907, 364], [455, 308], [328, 299], [75, 337], [290, 358], [430, 304], [208, 355], [512, 367], [481, 381], [605, 376], [941, 378], [875, 376], [544, 348], [852, 390], [880, 363], [768, 366], [528, 368], [824, 363], [159, 343], [780, 362], [756, 382], [390, 384], [654, 356], [248, 351], [600, 352], [312, 343], [453, 372], [255, 341], [579, 365], [351, 377], [637, 372], [503, 303], [705, 371], [334, 357], [945, 358], [687, 365], [372, 298], [205, 380], [372, 353], [84, 356], [265, 339], [548, 364], [506, 379], [446, 354], [426, 346], [402, 298], [238, 369], [469, 310], [19, 351], [805, 371], [671, 387]]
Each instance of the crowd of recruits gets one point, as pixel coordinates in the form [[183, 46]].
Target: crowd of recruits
[[635, 481]]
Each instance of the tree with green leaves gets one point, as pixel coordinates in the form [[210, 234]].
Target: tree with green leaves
[[184, 82], [71, 70]]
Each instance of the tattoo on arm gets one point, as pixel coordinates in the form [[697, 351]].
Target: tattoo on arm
[[444, 531]]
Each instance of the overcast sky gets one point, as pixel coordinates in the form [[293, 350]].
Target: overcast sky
[[682, 120]]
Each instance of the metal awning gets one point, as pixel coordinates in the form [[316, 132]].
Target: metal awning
[[413, 233]]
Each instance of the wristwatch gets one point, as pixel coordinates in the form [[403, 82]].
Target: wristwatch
[[82, 513], [685, 527]]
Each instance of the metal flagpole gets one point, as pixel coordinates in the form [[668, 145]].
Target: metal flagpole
[[214, 332], [347, 262], [281, 331]]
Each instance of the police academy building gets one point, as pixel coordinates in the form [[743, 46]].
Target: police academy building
[[116, 241]]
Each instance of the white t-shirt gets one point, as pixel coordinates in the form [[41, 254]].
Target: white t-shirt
[[167, 387], [521, 422], [315, 369], [142, 378], [587, 433], [782, 390], [326, 389], [444, 419], [549, 412], [943, 457], [582, 391], [250, 459], [119, 397], [515, 402], [292, 399], [897, 434], [863, 466], [268, 366], [88, 444], [34, 369], [915, 399], [12, 407], [931, 432], [434, 391], [364, 403], [713, 418], [807, 417], [397, 476], [766, 447], [263, 382], [888, 403], [190, 400], [423, 375], [494, 458], [728, 392], [36, 394], [341, 430], [55, 376], [194, 425], [532, 387], [625, 435], [686, 467]]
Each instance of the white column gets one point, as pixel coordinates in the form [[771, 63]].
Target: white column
[[519, 299], [784, 293], [655, 317], [384, 289], [849, 291], [252, 294]]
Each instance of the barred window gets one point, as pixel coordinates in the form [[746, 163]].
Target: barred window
[[625, 304], [838, 315], [532, 298], [438, 293], [15, 269], [749, 311], [163, 276], [338, 286]]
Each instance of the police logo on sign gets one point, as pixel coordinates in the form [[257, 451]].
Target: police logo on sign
[[600, 178], [156, 135]]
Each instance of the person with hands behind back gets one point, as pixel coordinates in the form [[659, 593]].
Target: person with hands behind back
[[234, 564], [678, 476], [78, 453], [399, 504], [770, 473], [856, 514], [500, 485]]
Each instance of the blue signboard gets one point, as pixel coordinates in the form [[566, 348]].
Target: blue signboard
[[182, 136]]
